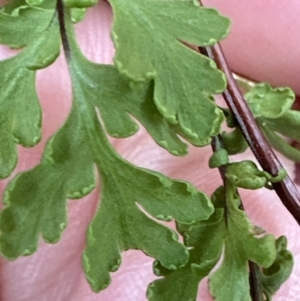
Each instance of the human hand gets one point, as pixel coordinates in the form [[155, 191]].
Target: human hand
[[261, 46]]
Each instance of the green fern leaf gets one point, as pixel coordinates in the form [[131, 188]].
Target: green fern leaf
[[17, 85], [119, 98], [23, 25], [206, 240], [273, 277], [275, 116], [230, 282], [35, 201], [184, 79]]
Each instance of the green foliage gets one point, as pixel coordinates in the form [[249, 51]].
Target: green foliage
[[240, 245], [77, 14], [182, 89], [162, 83], [269, 103], [279, 271], [206, 240], [234, 142], [80, 3], [245, 174], [17, 79], [36, 200], [16, 22], [218, 158], [273, 111], [118, 99], [228, 230]]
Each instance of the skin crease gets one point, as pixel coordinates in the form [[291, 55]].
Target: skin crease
[[262, 31]]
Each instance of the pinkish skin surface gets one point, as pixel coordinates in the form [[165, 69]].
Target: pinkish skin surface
[[263, 45]]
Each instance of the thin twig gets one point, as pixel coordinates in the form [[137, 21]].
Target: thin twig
[[286, 189]]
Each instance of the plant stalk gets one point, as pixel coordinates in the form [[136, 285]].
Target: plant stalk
[[60, 9], [286, 189], [256, 288]]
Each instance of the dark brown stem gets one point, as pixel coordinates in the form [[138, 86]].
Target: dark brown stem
[[256, 289], [286, 189], [62, 27]]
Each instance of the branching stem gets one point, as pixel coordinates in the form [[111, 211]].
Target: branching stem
[[286, 189]]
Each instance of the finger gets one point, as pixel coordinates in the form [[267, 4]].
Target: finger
[[264, 42], [133, 277]]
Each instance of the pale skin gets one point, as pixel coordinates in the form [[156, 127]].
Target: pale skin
[[264, 44]]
